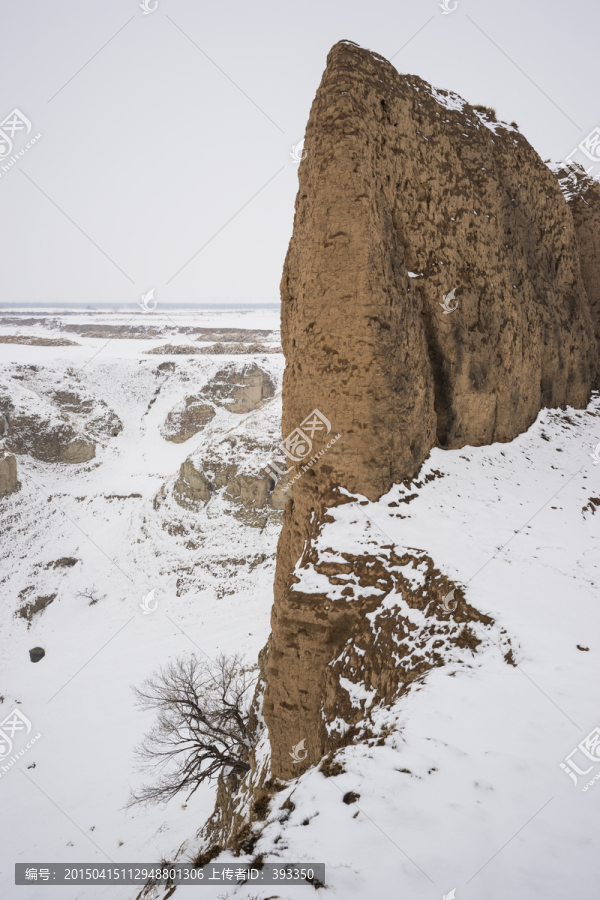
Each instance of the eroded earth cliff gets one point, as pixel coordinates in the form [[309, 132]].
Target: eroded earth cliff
[[432, 295]]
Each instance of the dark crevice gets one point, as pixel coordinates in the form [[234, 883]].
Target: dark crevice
[[442, 394]]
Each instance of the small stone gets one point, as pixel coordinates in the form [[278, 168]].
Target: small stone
[[36, 654]]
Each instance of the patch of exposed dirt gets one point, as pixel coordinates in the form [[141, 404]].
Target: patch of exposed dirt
[[29, 610], [37, 341], [65, 562], [218, 349], [591, 506]]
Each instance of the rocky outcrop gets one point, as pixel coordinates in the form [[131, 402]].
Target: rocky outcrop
[[54, 426], [191, 487], [29, 610], [357, 626], [431, 296], [182, 424], [199, 480], [55, 442], [240, 390], [8, 473]]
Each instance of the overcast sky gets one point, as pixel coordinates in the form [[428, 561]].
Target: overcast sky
[[170, 132]]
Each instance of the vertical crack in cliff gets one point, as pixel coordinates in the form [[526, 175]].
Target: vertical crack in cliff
[[445, 420]]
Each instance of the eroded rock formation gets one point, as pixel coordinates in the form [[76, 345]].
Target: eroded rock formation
[[8, 473], [403, 180], [240, 390], [236, 389], [200, 479], [188, 419], [432, 295], [55, 426], [46, 438], [252, 491]]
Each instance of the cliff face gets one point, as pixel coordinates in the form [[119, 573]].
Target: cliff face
[[583, 196], [407, 194], [400, 178]]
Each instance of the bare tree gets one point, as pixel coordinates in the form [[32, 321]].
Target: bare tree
[[201, 726], [90, 594]]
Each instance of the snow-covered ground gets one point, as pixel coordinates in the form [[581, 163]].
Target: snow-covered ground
[[466, 790], [161, 317], [213, 591]]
